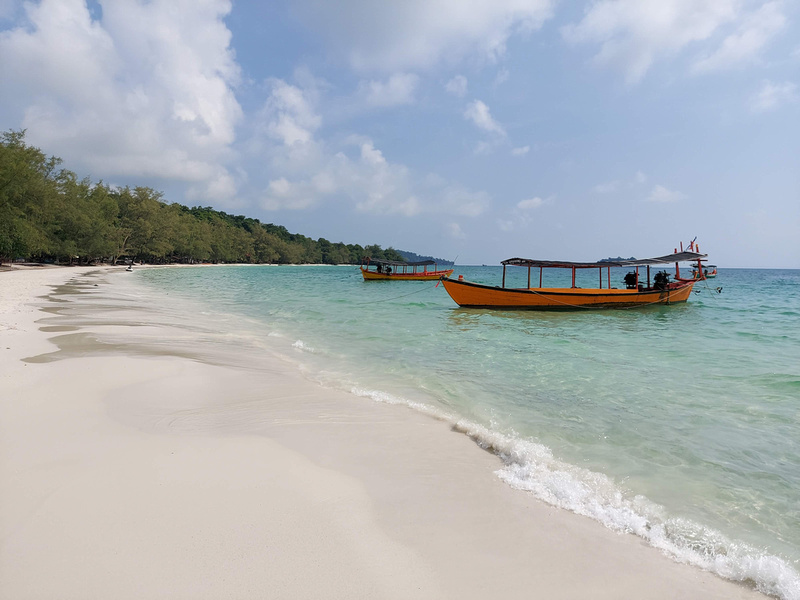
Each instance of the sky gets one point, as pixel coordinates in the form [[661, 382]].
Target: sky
[[474, 130]]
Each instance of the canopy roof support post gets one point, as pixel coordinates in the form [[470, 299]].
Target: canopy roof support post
[[540, 277], [609, 277], [648, 275], [637, 278], [504, 276], [600, 270], [529, 277], [573, 277]]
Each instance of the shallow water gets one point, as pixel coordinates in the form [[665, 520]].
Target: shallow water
[[678, 423]]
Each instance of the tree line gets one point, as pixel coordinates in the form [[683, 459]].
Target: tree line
[[47, 214]]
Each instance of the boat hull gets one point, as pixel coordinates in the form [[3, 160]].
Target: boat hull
[[475, 295], [421, 276]]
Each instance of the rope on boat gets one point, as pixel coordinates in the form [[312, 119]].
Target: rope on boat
[[718, 289], [710, 289], [395, 297]]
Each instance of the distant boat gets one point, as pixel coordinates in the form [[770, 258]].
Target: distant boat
[[637, 291], [706, 272], [392, 270]]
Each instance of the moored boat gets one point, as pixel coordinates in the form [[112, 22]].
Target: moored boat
[[706, 272], [393, 270], [639, 290]]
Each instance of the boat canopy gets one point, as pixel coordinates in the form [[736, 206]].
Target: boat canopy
[[633, 262], [398, 263]]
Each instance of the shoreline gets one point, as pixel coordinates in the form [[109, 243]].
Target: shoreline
[[172, 474]]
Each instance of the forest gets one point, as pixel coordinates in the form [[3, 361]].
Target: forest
[[48, 215]]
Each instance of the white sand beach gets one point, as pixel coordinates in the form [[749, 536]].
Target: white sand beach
[[172, 474]]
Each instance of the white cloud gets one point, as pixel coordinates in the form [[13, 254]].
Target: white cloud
[[521, 151], [521, 215], [290, 115], [312, 170], [773, 95], [479, 114], [219, 184], [282, 194], [633, 34], [505, 224], [485, 148], [399, 89], [366, 179], [661, 194], [530, 203], [454, 231], [753, 34], [606, 188], [419, 34], [457, 86], [456, 199], [146, 91], [501, 77]]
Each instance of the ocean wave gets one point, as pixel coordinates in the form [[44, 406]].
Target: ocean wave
[[386, 398], [301, 345], [531, 467]]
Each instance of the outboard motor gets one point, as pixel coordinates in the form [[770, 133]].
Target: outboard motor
[[661, 280], [630, 280]]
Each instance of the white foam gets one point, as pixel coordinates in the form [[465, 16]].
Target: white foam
[[386, 398], [301, 345], [531, 467]]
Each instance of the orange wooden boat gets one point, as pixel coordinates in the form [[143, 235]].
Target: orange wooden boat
[[637, 291], [392, 270], [707, 272]]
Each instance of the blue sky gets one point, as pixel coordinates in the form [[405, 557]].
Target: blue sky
[[477, 129]]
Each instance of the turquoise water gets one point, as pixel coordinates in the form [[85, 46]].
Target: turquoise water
[[680, 424]]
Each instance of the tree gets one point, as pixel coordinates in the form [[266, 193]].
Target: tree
[[27, 194], [48, 213]]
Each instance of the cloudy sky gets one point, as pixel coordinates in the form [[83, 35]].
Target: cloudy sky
[[477, 129]]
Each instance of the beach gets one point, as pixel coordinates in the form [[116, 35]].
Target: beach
[[135, 468]]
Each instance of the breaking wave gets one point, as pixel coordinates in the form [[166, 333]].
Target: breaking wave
[[531, 467]]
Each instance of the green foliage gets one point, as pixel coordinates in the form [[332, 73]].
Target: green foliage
[[47, 214]]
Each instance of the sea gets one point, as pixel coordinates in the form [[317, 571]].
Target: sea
[[679, 424]]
